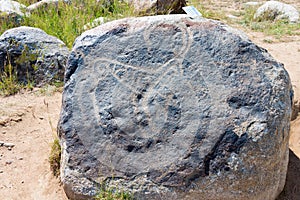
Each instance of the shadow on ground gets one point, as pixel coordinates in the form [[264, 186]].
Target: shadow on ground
[[291, 189]]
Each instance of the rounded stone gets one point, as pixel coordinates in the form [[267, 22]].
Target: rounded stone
[[172, 107]]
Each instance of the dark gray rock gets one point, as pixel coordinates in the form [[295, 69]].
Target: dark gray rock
[[35, 55], [158, 6], [275, 10], [169, 107]]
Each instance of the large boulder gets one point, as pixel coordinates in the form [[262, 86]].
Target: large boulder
[[35, 56], [275, 10], [169, 107], [158, 6]]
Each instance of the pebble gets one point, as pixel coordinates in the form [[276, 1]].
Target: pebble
[[232, 16], [1, 171], [1, 143], [252, 3], [9, 145], [3, 132], [8, 162], [21, 158]]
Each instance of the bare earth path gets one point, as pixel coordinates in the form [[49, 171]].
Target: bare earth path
[[24, 170]]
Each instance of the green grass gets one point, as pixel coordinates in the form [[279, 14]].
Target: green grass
[[9, 84], [66, 21], [112, 194], [54, 157]]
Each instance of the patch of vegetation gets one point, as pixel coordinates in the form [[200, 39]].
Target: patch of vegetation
[[268, 25], [66, 20], [112, 194], [9, 84], [55, 153], [55, 156]]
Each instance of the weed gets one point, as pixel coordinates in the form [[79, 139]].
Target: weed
[[9, 84], [55, 153], [112, 194], [54, 157], [268, 41]]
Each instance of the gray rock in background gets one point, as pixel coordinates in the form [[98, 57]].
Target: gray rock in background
[[252, 4], [12, 7], [36, 55], [40, 4], [44, 3], [275, 10], [169, 107], [158, 6]]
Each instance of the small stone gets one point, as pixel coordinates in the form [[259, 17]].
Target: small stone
[[1, 171], [232, 16], [252, 3], [8, 162], [3, 132], [22, 181], [9, 145], [21, 158], [1, 143], [16, 119]]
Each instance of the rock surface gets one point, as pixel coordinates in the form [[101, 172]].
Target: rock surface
[[43, 4], [36, 55], [11, 7], [275, 10], [169, 107], [158, 6]]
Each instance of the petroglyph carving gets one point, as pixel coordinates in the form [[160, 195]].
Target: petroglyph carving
[[152, 113]]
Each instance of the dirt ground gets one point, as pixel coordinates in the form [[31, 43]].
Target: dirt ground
[[28, 121], [24, 169]]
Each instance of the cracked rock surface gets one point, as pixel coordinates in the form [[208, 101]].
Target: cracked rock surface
[[169, 107]]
